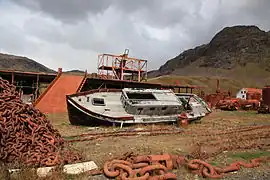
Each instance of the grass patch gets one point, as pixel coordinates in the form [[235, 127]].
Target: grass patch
[[69, 137], [239, 113], [213, 163], [249, 155], [65, 124]]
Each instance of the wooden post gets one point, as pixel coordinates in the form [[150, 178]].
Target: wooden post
[[37, 87], [59, 70], [12, 78], [139, 71]]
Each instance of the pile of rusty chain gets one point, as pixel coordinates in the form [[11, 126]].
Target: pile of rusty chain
[[154, 167], [26, 136]]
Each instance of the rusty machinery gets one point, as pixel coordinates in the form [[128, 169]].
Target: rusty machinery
[[225, 101]]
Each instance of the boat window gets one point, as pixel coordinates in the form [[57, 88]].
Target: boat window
[[98, 102], [141, 96], [140, 109], [88, 99], [152, 109], [163, 108], [80, 99]]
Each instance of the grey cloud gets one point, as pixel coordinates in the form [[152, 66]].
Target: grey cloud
[[89, 27], [11, 38], [153, 12], [66, 10], [44, 30]]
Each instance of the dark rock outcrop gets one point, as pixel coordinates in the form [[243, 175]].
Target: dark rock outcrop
[[231, 47]]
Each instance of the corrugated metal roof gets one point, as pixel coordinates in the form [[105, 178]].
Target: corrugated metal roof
[[253, 90]]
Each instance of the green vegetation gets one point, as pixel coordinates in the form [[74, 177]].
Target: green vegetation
[[249, 155], [232, 80]]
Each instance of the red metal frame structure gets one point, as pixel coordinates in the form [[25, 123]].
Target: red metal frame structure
[[118, 66]]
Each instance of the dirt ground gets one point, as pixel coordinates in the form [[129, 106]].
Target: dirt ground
[[103, 149]]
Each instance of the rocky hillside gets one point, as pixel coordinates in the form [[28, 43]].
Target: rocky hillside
[[232, 50], [11, 62]]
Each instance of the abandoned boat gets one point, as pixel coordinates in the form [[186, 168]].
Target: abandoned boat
[[126, 106], [195, 107]]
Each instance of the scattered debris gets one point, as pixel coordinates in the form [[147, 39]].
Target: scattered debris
[[92, 128], [45, 171], [77, 168]]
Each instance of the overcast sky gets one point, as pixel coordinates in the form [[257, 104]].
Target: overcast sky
[[71, 33]]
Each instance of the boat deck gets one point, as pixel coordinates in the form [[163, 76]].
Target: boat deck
[[112, 108]]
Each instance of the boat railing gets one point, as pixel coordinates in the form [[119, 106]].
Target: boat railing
[[84, 93]]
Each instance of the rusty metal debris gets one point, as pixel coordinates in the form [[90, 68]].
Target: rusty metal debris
[[233, 104], [154, 167], [26, 136]]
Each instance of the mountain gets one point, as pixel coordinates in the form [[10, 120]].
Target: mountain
[[238, 56], [75, 72], [11, 62], [232, 50]]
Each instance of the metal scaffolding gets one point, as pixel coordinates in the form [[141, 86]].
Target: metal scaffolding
[[122, 67]]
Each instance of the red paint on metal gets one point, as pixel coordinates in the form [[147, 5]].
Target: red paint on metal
[[54, 100], [49, 87], [83, 82], [115, 66], [253, 90]]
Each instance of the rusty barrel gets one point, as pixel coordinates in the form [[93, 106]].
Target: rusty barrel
[[266, 95]]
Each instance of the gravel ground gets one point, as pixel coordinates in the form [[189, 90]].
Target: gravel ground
[[103, 149]]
